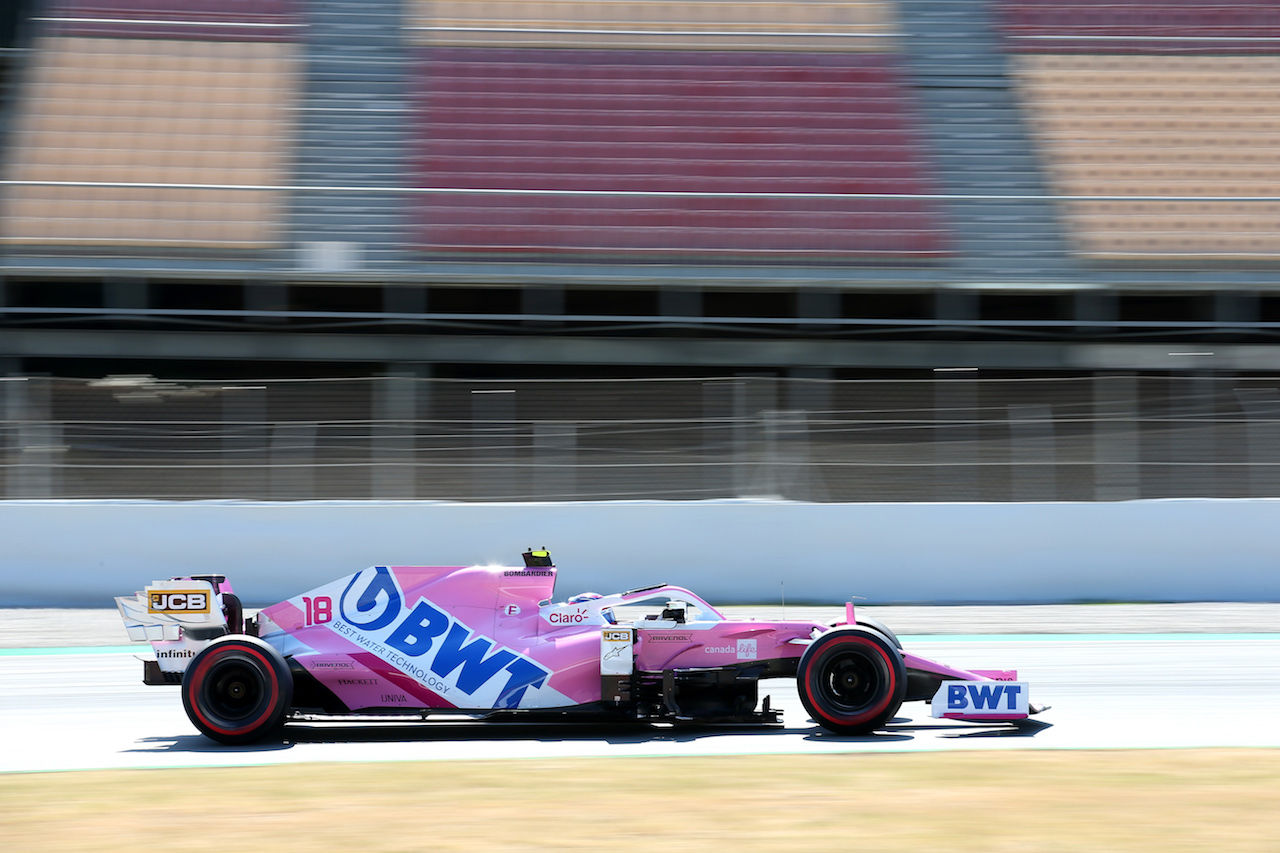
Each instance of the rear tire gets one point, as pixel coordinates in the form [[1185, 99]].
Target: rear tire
[[237, 690], [851, 680]]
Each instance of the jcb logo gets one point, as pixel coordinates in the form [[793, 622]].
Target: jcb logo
[[178, 601], [617, 636]]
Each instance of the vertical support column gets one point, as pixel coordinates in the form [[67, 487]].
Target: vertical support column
[[395, 416], [786, 464], [555, 472], [543, 303], [1115, 437], [7, 437], [1262, 435], [953, 304], [1033, 453], [818, 304], [13, 409], [809, 395], [293, 460], [267, 296], [753, 396], [493, 445], [955, 441], [245, 441], [717, 439], [35, 444], [1193, 449], [1096, 310], [1235, 308], [404, 299], [741, 440], [123, 294], [809, 389], [680, 302]]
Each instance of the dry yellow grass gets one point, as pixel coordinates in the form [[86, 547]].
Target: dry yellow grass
[[1220, 800]]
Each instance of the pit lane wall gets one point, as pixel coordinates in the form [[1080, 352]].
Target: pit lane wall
[[81, 553]]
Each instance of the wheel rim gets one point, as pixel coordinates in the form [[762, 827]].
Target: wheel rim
[[850, 682], [234, 690]]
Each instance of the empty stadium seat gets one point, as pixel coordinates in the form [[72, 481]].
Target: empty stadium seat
[[202, 20], [151, 112], [842, 25], [1183, 136], [567, 129], [1140, 26]]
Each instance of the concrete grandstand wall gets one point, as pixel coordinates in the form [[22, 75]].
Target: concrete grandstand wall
[[80, 553]]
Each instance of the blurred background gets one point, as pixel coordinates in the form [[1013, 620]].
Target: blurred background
[[873, 250]]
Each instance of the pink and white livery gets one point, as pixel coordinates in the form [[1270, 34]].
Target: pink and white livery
[[491, 643]]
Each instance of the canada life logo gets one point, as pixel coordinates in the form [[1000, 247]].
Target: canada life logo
[[432, 645]]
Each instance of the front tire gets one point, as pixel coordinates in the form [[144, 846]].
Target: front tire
[[851, 680], [237, 690]]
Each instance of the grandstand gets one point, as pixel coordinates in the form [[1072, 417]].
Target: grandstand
[[806, 191], [927, 179]]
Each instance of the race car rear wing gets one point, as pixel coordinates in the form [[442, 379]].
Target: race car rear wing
[[179, 617], [169, 610]]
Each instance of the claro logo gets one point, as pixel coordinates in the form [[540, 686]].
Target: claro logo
[[178, 601], [568, 617]]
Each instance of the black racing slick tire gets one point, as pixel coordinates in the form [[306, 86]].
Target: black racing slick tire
[[237, 690], [851, 680], [875, 625]]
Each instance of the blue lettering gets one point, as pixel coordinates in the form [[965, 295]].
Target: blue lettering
[[476, 668], [382, 584], [986, 695], [413, 636], [956, 697], [1012, 691], [524, 674]]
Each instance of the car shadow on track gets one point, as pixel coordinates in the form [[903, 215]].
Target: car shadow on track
[[907, 729], [569, 732], [201, 744], [1024, 729], [957, 730], [900, 729], [460, 732]]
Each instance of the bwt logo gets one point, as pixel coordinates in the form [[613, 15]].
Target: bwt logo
[[982, 697], [178, 601], [465, 659], [374, 607], [436, 641]]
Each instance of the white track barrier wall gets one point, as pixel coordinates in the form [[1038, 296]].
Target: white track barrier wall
[[81, 553]]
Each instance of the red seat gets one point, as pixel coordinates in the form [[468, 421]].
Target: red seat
[[580, 133], [1141, 26], [199, 20]]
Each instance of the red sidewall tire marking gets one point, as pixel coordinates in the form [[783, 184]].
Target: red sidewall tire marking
[[273, 686], [869, 713]]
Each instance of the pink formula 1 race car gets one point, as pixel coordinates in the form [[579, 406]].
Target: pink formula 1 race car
[[491, 643]]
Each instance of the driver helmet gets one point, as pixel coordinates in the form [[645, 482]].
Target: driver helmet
[[606, 612]]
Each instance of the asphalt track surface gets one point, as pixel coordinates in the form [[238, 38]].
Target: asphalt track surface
[[1176, 684]]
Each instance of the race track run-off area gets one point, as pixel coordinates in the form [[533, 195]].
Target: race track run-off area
[[86, 708]]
